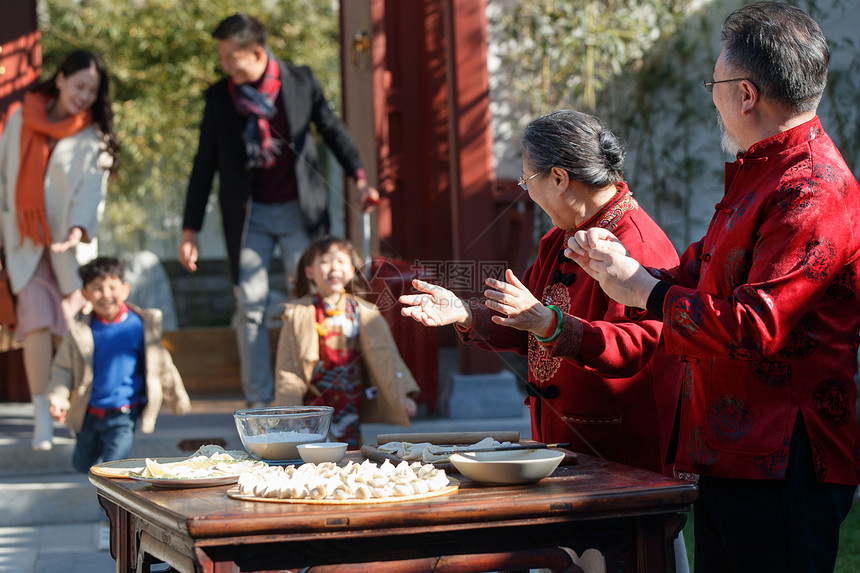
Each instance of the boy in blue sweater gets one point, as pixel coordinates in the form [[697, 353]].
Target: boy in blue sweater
[[111, 370]]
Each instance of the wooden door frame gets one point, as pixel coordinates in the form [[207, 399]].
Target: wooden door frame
[[431, 148], [20, 54]]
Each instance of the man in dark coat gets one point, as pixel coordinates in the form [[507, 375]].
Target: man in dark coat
[[256, 134]]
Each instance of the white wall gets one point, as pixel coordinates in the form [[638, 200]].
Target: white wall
[[657, 153]]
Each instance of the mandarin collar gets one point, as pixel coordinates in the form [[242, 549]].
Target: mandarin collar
[[777, 143], [608, 216]]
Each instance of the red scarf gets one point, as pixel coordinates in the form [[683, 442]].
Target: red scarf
[[259, 105], [36, 132]]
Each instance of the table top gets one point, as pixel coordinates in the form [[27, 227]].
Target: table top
[[591, 489]]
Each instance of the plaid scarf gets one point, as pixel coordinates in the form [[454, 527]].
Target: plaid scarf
[[36, 133], [259, 106]]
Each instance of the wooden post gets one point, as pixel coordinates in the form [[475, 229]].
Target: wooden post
[[20, 66], [20, 54]]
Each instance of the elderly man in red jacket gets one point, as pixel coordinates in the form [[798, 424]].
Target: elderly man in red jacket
[[764, 310]]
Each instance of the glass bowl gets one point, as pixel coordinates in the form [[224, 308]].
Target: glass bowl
[[272, 434]]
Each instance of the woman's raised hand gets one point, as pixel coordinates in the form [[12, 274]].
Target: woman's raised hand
[[518, 306], [436, 306]]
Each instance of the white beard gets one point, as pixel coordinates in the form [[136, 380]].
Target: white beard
[[729, 144]]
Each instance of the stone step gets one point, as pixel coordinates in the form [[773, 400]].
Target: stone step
[[39, 499], [38, 488], [177, 436], [173, 436]]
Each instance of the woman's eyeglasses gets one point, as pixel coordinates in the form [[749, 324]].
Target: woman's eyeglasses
[[523, 183]]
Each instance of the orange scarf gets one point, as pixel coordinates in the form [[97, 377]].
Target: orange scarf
[[35, 152]]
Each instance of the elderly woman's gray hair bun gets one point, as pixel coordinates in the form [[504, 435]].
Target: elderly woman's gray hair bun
[[613, 151], [576, 142]]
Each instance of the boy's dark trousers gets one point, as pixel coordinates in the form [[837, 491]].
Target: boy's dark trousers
[[106, 435]]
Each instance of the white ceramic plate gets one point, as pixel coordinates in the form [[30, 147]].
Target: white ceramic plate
[[132, 468], [186, 482], [122, 468], [506, 468]]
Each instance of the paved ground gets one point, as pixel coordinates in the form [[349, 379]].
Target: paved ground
[[50, 521], [50, 518]]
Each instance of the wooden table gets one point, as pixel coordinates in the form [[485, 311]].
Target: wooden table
[[632, 516]]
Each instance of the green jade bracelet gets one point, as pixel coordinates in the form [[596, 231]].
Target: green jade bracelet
[[555, 334]]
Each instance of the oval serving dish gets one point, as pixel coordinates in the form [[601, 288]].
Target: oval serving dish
[[506, 468]]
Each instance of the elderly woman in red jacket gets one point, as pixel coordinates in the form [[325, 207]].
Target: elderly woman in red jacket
[[597, 379]]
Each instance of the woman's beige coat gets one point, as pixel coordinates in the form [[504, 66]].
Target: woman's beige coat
[[75, 187], [72, 373], [299, 352]]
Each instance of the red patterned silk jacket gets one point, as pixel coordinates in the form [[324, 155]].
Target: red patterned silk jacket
[[608, 386], [765, 314]]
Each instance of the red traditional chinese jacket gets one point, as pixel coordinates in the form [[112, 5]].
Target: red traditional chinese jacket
[[766, 315], [607, 385]]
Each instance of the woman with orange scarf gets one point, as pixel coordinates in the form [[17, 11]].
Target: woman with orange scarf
[[55, 155]]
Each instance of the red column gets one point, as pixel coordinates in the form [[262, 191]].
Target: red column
[[20, 53], [20, 65], [473, 177]]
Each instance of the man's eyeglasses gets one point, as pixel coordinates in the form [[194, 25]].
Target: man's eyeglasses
[[523, 183], [709, 84]]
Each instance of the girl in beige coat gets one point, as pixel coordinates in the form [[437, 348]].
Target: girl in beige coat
[[336, 349], [55, 155]]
